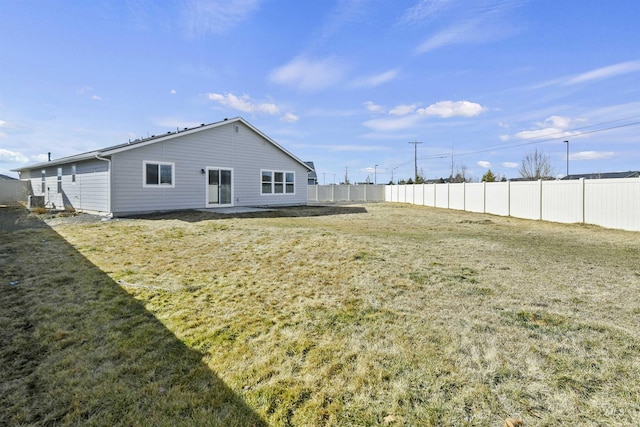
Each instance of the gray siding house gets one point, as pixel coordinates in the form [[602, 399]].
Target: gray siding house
[[223, 164]]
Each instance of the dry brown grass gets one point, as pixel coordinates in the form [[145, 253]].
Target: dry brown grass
[[391, 314]]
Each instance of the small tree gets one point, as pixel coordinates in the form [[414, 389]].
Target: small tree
[[489, 176], [536, 165], [461, 174]]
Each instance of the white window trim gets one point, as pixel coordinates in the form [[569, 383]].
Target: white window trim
[[273, 183], [153, 162]]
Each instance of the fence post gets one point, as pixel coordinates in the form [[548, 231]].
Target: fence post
[[435, 190], [508, 198], [583, 195], [464, 195], [540, 192], [484, 196]]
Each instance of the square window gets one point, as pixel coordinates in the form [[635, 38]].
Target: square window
[[158, 174]]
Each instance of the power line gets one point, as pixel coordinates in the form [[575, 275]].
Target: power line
[[533, 140]]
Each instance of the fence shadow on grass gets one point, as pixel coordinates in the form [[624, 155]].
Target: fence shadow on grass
[[76, 349], [274, 212]]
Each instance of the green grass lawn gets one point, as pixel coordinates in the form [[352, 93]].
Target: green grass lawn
[[379, 314]]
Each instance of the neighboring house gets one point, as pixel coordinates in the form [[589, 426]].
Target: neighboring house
[[605, 175], [223, 164], [312, 178], [6, 178]]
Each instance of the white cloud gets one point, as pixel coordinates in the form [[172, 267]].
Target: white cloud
[[425, 10], [591, 155], [401, 110], [244, 103], [510, 165], [606, 72], [216, 16], [553, 126], [38, 158], [374, 108], [96, 98], [392, 124], [356, 148], [457, 34], [504, 137], [377, 80], [463, 22], [484, 164], [7, 156], [597, 74], [173, 91], [309, 75], [290, 118], [447, 109]]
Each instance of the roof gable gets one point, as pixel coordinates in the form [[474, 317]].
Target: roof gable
[[131, 145]]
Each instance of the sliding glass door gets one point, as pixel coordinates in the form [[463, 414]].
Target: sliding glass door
[[219, 187]]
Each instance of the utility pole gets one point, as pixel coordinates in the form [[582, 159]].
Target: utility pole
[[346, 175], [375, 175], [415, 157], [451, 176]]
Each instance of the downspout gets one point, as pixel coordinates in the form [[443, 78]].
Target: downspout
[[109, 213]]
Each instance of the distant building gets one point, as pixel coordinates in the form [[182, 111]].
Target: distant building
[[312, 177], [5, 178], [604, 175]]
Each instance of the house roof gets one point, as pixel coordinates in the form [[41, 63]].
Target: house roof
[[108, 151], [604, 175], [6, 178], [312, 172]]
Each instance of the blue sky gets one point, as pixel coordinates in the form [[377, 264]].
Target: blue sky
[[346, 84]]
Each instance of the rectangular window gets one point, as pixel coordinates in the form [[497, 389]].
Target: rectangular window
[[73, 173], [59, 180], [157, 174], [290, 183], [267, 181], [278, 182], [43, 179]]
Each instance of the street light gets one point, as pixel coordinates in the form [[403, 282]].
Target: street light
[[375, 175], [567, 142]]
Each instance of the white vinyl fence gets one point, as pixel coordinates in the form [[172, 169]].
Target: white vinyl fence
[[346, 193], [611, 203], [13, 191]]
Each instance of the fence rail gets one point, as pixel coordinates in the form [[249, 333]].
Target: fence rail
[[13, 191], [346, 193], [611, 203]]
